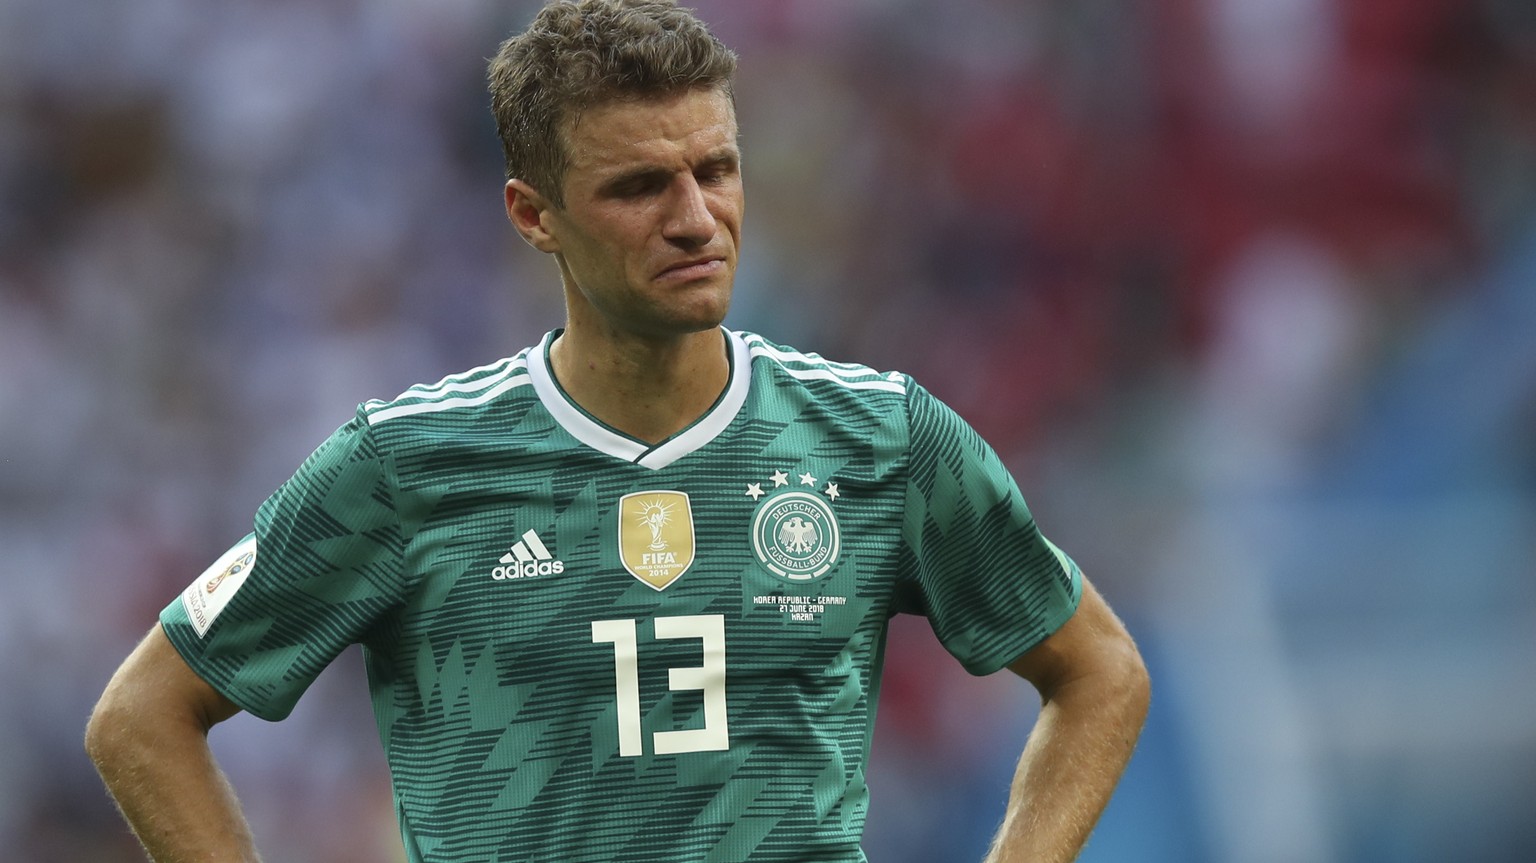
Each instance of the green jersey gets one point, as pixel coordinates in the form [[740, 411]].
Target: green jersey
[[586, 648]]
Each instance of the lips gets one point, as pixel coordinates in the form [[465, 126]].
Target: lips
[[696, 268]]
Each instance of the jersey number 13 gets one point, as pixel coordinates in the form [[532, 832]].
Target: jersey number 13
[[708, 678]]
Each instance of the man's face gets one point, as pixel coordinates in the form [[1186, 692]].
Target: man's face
[[649, 233]]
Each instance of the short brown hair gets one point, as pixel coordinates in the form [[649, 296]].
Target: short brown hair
[[580, 53]]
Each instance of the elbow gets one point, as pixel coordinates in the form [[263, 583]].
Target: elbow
[[98, 740], [153, 704], [1112, 675], [1131, 681], [120, 726], [104, 730]]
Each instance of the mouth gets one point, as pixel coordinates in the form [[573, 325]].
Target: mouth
[[696, 268]]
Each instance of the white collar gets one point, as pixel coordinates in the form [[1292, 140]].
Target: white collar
[[605, 439]]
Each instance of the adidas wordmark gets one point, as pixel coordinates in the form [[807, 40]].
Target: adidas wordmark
[[527, 559]]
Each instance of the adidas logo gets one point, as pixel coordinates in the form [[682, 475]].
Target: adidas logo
[[527, 559]]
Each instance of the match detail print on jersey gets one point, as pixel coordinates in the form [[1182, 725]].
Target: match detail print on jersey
[[656, 536]]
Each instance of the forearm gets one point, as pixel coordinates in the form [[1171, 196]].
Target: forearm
[[1079, 747], [170, 790]]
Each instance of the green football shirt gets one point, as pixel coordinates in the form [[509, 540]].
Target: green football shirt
[[585, 648]]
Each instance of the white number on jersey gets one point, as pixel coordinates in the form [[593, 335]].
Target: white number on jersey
[[708, 678]]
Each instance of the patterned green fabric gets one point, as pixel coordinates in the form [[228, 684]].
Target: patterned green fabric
[[586, 649]]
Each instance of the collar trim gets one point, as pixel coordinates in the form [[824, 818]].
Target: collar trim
[[605, 439]]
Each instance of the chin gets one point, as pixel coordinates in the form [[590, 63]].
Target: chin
[[700, 324], [702, 312]]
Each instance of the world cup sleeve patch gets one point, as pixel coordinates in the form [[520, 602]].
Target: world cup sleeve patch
[[206, 597]]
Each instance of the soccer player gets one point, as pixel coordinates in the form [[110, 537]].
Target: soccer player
[[623, 595]]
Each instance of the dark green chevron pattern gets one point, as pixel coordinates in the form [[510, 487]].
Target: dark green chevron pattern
[[499, 708]]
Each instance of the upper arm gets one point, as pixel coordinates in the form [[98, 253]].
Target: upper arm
[[323, 566], [1093, 642], [989, 582], [156, 682]]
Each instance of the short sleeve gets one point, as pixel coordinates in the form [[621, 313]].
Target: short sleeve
[[990, 584], [321, 568]]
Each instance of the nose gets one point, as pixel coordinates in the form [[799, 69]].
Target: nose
[[689, 219]]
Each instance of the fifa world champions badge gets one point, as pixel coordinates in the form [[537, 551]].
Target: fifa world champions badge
[[656, 540]]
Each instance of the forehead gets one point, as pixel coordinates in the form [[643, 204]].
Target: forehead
[[671, 130]]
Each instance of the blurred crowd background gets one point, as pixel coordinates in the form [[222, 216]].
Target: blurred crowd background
[[1243, 290]]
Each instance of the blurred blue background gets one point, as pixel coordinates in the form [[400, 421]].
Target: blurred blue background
[[1243, 290]]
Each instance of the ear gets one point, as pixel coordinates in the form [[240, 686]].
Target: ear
[[530, 213]]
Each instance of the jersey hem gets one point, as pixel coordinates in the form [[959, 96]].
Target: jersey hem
[[993, 666]]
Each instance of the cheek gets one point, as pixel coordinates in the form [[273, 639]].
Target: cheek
[[600, 251], [607, 246], [728, 210]]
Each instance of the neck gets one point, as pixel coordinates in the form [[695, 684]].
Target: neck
[[650, 389]]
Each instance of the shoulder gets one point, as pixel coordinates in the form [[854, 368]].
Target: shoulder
[[454, 397], [858, 393], [787, 366]]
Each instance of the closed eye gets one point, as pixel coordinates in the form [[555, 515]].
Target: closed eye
[[635, 185], [718, 169], [715, 170]]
